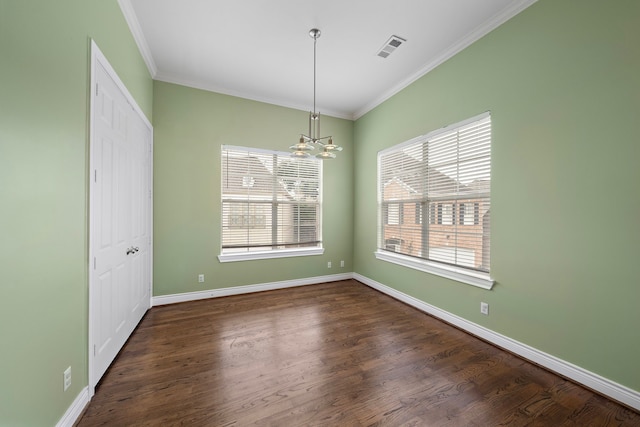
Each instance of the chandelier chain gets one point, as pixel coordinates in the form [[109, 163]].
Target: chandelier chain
[[315, 42]]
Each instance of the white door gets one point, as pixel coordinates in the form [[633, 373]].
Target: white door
[[139, 140], [120, 217]]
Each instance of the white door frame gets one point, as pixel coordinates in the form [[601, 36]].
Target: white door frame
[[97, 57]]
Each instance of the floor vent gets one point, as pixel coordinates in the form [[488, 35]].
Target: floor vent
[[392, 44]]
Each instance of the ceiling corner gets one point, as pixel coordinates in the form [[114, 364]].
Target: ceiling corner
[[134, 26]]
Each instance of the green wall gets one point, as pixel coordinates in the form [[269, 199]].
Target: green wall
[[44, 80], [190, 125], [562, 81]]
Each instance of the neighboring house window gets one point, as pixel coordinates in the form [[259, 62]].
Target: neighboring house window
[[447, 214], [418, 213], [469, 213], [248, 181], [393, 214], [432, 213], [270, 201], [448, 172], [242, 215]]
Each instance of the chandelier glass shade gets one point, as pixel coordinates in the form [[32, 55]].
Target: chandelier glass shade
[[313, 140]]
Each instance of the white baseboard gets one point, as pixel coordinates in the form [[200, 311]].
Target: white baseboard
[[75, 410], [589, 379], [237, 290]]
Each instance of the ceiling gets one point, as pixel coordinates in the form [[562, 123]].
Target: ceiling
[[261, 50]]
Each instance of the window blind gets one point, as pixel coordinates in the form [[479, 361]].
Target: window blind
[[270, 200], [441, 183]]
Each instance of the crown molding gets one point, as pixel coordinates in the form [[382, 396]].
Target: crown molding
[[134, 26], [132, 20]]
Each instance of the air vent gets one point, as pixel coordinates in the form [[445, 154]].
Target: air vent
[[392, 44]]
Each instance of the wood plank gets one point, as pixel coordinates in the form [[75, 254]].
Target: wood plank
[[333, 354]]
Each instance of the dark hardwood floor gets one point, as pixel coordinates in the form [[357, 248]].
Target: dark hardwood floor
[[336, 354]]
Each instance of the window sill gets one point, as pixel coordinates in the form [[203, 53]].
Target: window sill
[[280, 253], [473, 278]]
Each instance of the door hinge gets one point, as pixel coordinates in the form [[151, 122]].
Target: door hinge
[[94, 263], [95, 175], [94, 350], [96, 89]]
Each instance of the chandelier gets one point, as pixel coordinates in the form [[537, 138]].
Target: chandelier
[[309, 142]]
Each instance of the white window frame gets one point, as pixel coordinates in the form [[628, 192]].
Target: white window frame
[[248, 182], [458, 273]]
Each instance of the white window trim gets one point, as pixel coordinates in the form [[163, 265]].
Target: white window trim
[[277, 253], [459, 274]]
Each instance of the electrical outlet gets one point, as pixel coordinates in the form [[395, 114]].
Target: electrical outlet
[[342, 263], [201, 278], [484, 308], [329, 264], [66, 377]]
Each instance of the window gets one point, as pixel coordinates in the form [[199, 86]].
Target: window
[[447, 214], [469, 213], [242, 215], [418, 213], [270, 204], [432, 213], [448, 173], [393, 214]]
